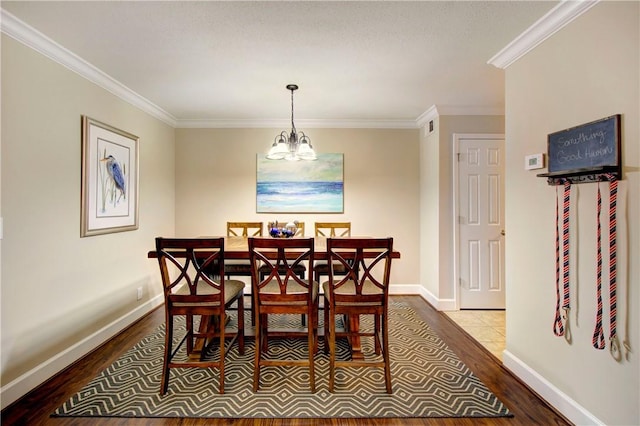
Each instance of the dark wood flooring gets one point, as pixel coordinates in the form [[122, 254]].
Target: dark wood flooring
[[528, 409]]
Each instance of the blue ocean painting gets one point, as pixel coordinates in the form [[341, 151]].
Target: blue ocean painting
[[300, 187]]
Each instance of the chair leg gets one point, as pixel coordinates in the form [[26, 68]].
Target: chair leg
[[189, 322], [258, 354], [241, 324], [302, 316], [264, 321], [168, 339], [387, 362], [314, 325], [253, 312], [311, 348], [222, 350], [332, 350], [376, 333], [326, 326]]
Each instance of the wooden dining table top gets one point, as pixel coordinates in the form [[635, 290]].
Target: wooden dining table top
[[238, 248]]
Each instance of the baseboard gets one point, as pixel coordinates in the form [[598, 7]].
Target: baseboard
[[400, 289], [438, 304], [19, 387], [566, 406]]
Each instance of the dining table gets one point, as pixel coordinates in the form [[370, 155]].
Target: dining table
[[237, 247]]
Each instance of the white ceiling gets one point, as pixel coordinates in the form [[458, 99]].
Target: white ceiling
[[231, 60]]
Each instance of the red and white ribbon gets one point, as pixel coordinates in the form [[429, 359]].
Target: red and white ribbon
[[598, 340], [564, 301], [598, 334]]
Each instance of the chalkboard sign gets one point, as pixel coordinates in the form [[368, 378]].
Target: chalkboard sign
[[592, 146]]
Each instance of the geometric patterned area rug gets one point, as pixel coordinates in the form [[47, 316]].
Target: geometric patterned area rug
[[428, 380]]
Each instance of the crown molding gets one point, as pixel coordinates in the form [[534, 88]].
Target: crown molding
[[469, 110], [437, 111], [29, 36], [306, 124], [428, 115], [556, 19]]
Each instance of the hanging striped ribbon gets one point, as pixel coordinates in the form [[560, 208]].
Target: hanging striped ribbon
[[598, 334], [558, 325], [613, 259], [598, 340]]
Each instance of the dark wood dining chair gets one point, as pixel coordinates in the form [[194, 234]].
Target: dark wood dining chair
[[330, 230], [363, 290], [300, 269], [240, 267], [192, 271], [282, 291]]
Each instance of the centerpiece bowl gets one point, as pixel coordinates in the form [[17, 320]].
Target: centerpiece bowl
[[281, 230]]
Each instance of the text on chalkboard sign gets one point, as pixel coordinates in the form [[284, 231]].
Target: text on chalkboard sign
[[593, 145]]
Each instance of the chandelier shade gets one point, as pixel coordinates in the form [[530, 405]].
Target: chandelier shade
[[294, 146]]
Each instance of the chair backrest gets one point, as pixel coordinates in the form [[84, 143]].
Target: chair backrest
[[187, 262], [280, 256], [367, 262], [244, 229], [333, 229]]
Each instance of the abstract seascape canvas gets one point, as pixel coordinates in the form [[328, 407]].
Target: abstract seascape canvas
[[300, 186]]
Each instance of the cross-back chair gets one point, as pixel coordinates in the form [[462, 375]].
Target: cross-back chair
[[282, 291], [363, 290], [194, 284], [333, 229], [240, 267], [244, 229], [330, 230], [300, 269]]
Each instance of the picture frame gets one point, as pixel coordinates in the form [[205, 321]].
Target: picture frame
[[591, 146], [300, 186], [109, 194]]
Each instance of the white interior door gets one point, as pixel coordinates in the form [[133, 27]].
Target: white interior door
[[480, 225]]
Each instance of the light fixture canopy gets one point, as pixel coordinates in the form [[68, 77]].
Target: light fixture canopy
[[293, 146]]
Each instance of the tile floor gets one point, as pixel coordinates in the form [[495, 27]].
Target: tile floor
[[486, 326]]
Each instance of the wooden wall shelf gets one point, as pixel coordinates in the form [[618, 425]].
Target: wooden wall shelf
[[599, 174]]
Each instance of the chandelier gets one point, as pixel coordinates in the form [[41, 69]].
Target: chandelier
[[294, 146]]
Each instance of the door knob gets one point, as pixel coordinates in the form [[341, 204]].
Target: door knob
[[502, 232]]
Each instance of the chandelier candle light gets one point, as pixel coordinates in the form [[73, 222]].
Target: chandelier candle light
[[292, 147]]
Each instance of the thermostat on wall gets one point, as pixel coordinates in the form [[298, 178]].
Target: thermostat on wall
[[535, 161]]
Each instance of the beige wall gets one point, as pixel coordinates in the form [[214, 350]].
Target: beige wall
[[430, 159], [58, 288], [436, 192], [588, 70], [216, 183]]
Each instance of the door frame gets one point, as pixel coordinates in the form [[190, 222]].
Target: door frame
[[457, 137]]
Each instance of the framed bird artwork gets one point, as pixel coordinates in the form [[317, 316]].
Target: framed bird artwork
[[109, 179]]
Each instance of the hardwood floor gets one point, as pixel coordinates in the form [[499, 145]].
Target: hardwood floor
[[528, 409]]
